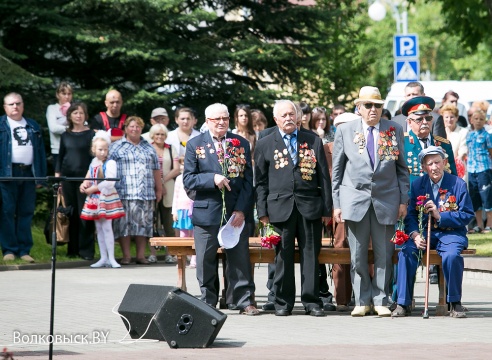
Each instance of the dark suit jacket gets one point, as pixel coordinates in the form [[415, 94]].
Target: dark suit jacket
[[199, 175], [279, 189]]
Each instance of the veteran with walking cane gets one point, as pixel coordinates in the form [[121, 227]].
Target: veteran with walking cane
[[449, 205]]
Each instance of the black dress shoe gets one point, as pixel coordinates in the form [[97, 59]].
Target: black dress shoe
[[316, 312], [268, 306], [282, 312]]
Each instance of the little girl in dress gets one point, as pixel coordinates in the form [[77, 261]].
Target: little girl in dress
[[182, 210], [102, 203]]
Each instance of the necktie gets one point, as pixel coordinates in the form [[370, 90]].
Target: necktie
[[370, 145], [424, 140], [435, 190], [291, 146], [220, 148]]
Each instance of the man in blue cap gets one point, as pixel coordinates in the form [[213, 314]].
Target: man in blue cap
[[418, 111], [450, 207]]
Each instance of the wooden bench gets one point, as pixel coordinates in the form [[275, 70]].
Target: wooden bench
[[181, 247]]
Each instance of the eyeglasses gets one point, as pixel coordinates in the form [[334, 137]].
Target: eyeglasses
[[223, 118], [369, 106], [16, 103], [428, 118]]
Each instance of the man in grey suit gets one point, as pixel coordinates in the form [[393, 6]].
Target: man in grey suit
[[414, 89], [370, 193]]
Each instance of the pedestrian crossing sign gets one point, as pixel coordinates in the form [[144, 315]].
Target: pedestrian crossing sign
[[407, 70]]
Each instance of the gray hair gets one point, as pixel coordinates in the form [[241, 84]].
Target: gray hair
[[283, 101], [215, 108], [155, 128]]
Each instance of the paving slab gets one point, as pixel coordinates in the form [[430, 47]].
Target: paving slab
[[86, 301]]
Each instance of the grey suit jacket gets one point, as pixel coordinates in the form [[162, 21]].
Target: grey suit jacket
[[356, 185]]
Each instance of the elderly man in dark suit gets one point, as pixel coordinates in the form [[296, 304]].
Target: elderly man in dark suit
[[451, 210], [294, 194], [370, 193], [218, 167]]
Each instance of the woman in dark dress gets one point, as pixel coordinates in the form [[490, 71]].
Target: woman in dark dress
[[73, 160]]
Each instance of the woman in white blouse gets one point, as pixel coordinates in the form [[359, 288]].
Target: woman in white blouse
[[56, 115], [457, 136]]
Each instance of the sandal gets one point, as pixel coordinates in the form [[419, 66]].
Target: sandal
[[486, 230], [475, 230]]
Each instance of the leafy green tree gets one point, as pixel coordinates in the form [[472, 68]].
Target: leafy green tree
[[174, 52]]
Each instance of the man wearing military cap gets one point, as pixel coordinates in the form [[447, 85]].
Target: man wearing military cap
[[418, 112], [450, 207]]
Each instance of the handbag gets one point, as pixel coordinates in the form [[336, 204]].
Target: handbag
[[63, 214]]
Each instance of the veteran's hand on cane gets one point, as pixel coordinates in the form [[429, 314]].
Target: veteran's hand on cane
[[432, 210], [221, 182], [337, 215]]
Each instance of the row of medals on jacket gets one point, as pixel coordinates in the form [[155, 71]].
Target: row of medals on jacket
[[307, 163]]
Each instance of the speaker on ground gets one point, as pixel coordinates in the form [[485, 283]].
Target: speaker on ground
[[180, 318]]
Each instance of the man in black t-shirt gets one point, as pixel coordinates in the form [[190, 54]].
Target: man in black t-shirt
[[112, 118]]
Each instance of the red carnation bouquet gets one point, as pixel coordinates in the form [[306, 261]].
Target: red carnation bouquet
[[400, 237], [269, 237]]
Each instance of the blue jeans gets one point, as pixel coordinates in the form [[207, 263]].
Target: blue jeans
[[19, 201]]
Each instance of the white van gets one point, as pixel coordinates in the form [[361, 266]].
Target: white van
[[468, 91]]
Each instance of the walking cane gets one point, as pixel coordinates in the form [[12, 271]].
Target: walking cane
[[426, 302]]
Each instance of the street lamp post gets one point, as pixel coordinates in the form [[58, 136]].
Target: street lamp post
[[405, 46], [377, 12]]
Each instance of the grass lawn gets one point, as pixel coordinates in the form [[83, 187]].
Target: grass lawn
[[482, 243], [41, 251]]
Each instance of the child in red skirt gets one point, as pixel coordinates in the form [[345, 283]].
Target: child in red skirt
[[103, 203]]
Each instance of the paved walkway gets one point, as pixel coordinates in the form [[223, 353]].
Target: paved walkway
[[85, 298]]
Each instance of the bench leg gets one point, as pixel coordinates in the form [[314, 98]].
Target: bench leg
[[223, 297], [442, 307], [182, 272]]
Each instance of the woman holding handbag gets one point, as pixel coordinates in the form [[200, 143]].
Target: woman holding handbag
[[73, 160]]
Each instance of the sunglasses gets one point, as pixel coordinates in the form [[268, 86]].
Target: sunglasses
[[369, 106], [418, 120], [319, 109]]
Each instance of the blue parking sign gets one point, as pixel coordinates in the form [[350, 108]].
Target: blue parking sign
[[406, 46]]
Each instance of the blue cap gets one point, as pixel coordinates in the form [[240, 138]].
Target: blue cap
[[431, 150]]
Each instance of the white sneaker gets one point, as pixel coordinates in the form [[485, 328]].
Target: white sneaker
[[152, 259], [169, 259]]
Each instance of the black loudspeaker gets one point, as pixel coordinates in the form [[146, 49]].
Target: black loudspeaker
[[139, 305], [180, 318], [188, 322]]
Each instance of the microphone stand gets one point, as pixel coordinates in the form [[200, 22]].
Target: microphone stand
[[55, 181]]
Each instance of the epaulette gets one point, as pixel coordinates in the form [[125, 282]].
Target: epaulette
[[441, 139]]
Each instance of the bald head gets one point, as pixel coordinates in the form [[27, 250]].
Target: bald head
[[113, 103]]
